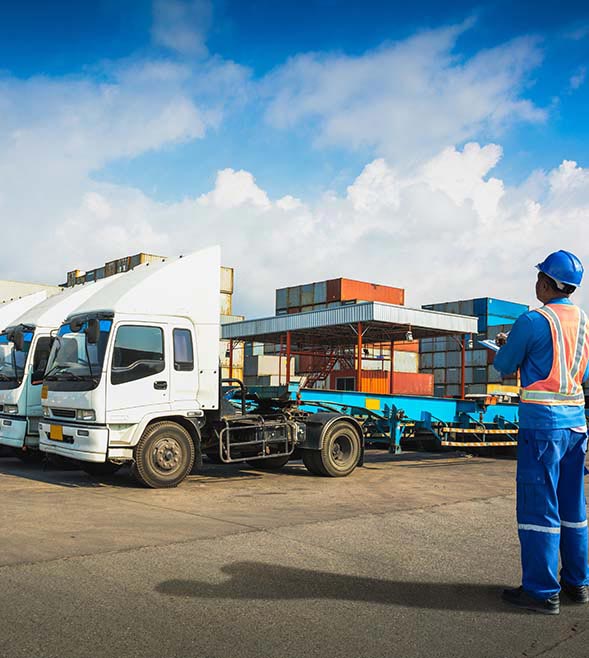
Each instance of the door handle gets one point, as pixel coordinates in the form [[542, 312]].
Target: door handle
[[160, 386]]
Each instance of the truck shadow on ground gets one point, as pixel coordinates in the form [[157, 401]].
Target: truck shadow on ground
[[259, 581]]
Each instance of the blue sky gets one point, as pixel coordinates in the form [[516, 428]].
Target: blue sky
[[69, 38], [374, 140]]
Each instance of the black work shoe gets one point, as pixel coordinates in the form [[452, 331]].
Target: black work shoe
[[520, 598], [576, 593]]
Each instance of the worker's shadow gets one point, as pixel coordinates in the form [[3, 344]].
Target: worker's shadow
[[254, 580]]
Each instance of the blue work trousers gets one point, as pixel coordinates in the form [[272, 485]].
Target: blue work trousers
[[551, 509]]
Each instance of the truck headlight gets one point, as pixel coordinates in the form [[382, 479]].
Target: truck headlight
[[46, 412], [85, 414], [11, 408]]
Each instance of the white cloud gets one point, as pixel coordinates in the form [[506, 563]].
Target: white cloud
[[578, 78], [457, 235], [182, 25], [234, 189], [406, 100]]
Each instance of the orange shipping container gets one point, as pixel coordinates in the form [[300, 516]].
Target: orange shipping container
[[349, 290], [377, 381]]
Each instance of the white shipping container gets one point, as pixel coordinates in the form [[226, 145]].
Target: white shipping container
[[266, 365], [226, 303], [406, 362], [227, 275]]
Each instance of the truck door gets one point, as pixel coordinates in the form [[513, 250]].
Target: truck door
[[184, 372], [139, 377]]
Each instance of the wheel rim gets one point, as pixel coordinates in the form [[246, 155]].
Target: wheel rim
[[167, 455], [342, 450]]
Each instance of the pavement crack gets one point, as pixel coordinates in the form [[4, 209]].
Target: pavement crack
[[574, 632]]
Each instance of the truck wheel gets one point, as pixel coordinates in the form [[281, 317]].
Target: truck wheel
[[100, 470], [342, 447], [312, 462], [270, 463], [164, 455]]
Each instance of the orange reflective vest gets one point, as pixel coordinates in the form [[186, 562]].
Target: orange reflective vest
[[570, 341]]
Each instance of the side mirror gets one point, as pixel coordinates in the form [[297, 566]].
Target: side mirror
[[18, 338], [92, 331], [76, 325]]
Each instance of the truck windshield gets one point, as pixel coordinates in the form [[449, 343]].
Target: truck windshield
[[74, 363], [12, 361]]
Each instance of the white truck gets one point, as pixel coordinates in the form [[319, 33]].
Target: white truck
[[28, 340], [151, 392]]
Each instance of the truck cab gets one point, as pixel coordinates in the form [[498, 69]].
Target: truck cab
[[25, 348], [153, 396]]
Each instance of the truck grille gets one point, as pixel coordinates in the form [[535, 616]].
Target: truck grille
[[64, 413]]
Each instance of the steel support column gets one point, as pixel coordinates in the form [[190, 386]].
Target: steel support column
[[288, 346], [231, 358], [391, 378], [463, 368], [359, 359]]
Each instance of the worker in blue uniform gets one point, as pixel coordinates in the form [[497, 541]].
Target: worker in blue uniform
[[550, 348]]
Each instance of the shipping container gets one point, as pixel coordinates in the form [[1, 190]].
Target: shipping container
[[227, 280], [407, 346], [405, 362], [453, 391], [476, 389], [477, 357], [293, 297], [350, 290], [226, 304], [439, 359], [440, 375], [307, 295], [320, 292], [281, 299], [426, 345], [439, 391], [426, 360], [480, 375], [453, 375], [466, 307], [453, 359]]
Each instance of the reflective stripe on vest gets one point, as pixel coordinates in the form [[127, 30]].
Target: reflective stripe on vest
[[563, 386]]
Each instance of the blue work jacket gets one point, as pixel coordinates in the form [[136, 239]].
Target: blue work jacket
[[529, 349]]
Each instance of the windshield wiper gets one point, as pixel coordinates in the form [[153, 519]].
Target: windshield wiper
[[6, 378], [68, 375]]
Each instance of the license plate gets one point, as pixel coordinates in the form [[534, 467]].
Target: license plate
[[56, 433]]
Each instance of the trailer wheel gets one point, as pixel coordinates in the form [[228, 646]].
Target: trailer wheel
[[100, 469], [270, 463], [312, 462], [342, 447], [164, 455]]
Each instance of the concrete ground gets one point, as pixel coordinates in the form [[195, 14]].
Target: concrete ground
[[406, 557]]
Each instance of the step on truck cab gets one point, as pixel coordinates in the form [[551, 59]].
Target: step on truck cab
[[27, 342], [155, 398]]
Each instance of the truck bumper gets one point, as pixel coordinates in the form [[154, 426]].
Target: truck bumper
[[13, 432], [85, 444]]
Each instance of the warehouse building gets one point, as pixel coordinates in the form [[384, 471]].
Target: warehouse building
[[336, 369]]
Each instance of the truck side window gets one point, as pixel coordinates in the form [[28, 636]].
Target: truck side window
[[183, 352], [40, 359], [138, 353]]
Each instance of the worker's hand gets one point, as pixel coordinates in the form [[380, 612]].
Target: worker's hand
[[501, 339]]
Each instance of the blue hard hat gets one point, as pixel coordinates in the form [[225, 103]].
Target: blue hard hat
[[563, 267]]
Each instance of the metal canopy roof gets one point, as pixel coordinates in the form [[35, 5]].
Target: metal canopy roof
[[338, 326]]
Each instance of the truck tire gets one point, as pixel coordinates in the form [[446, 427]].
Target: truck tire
[[270, 463], [341, 451], [312, 462], [100, 470], [164, 455]]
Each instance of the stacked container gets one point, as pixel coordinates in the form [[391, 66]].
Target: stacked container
[[333, 293], [441, 356]]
